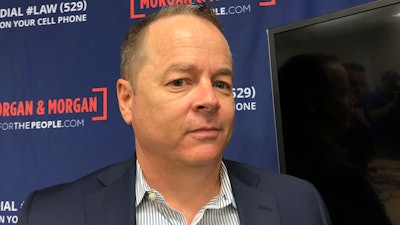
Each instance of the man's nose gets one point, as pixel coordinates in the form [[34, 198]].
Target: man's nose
[[206, 98]]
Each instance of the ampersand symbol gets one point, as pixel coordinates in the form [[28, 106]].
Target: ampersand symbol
[[40, 107]]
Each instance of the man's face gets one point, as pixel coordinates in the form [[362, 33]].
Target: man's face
[[339, 102], [183, 109], [358, 84]]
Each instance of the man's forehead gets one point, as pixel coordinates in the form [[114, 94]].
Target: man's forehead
[[178, 32], [182, 26]]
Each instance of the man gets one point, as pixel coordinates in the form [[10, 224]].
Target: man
[[176, 92], [383, 110], [357, 138]]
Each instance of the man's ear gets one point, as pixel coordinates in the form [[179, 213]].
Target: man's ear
[[125, 97]]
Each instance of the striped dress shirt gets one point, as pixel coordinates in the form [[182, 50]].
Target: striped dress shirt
[[151, 208]]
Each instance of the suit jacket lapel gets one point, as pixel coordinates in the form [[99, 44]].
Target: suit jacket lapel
[[244, 187], [115, 203]]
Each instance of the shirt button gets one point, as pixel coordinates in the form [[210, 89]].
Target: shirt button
[[152, 196]]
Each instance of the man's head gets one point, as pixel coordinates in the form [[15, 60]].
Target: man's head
[[314, 93], [133, 52], [390, 81], [356, 75], [179, 98]]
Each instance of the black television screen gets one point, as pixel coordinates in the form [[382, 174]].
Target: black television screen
[[336, 88]]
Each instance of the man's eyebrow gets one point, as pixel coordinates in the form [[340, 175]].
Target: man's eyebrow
[[182, 67], [225, 71]]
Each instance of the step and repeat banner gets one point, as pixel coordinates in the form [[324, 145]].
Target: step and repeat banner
[[59, 63]]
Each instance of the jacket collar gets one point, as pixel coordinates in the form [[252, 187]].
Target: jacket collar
[[112, 205], [115, 203], [245, 184]]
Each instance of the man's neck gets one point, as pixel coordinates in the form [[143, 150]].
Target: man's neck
[[185, 188]]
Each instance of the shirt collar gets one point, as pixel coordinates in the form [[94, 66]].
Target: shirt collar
[[224, 198], [141, 186]]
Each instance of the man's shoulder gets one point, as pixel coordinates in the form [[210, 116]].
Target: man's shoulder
[[296, 201], [263, 179], [77, 189], [66, 203]]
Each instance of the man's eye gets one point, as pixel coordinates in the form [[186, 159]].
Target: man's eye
[[221, 85], [177, 83]]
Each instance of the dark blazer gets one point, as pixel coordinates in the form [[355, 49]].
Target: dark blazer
[[107, 197]]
